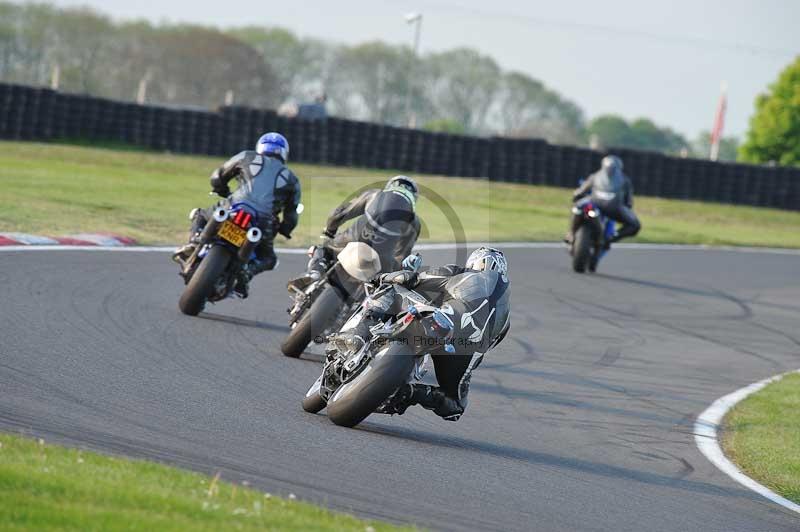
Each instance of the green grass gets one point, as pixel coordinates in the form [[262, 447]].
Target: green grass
[[47, 487], [762, 435], [57, 189]]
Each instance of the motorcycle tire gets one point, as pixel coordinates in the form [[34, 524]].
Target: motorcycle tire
[[201, 286], [313, 322], [358, 398], [582, 250], [312, 402]]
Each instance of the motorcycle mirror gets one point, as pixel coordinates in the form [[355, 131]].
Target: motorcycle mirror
[[300, 208]]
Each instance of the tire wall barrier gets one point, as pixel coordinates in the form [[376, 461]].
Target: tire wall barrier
[[32, 113]]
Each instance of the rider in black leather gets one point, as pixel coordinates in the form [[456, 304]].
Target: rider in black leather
[[477, 300], [266, 185], [385, 219], [612, 192]]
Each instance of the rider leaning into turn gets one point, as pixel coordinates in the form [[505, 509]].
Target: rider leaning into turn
[[266, 185], [612, 192], [477, 299], [385, 219]]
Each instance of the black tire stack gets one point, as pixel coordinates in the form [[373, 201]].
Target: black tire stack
[[34, 113]]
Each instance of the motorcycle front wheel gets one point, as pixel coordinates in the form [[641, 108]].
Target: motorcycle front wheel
[[313, 322], [358, 398], [313, 402]]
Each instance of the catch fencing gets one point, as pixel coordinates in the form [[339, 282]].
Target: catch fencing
[[31, 113]]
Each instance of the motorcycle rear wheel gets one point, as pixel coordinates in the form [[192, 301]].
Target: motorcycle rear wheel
[[582, 251], [201, 286]]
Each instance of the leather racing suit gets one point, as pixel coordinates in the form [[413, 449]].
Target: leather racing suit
[[267, 186], [385, 219], [612, 193], [478, 303]]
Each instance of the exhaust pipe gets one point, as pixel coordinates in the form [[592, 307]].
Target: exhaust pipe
[[218, 217], [253, 237], [221, 214]]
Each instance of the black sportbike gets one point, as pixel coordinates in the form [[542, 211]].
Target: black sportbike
[[214, 270], [591, 230], [361, 377]]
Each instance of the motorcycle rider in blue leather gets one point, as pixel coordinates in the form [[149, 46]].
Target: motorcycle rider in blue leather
[[611, 192], [266, 185]]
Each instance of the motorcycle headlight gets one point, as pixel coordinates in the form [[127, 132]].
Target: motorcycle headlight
[[349, 344], [592, 214]]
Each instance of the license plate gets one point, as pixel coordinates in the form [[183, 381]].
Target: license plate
[[233, 233]]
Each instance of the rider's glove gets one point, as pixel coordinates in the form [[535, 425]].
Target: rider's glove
[[412, 263], [328, 233], [403, 277], [218, 186], [222, 191]]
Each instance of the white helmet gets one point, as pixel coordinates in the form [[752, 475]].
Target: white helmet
[[488, 259]]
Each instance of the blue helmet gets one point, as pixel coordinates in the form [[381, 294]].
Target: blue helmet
[[273, 144]]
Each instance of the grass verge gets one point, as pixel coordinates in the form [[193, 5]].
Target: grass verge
[[57, 189], [48, 487], [762, 435]]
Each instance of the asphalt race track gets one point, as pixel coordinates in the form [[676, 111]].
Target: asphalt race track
[[581, 420]]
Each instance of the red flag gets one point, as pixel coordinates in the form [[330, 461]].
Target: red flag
[[719, 122]]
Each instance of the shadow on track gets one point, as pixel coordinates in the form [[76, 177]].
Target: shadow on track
[[243, 322], [552, 460]]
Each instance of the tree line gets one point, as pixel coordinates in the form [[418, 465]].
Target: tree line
[[457, 91]]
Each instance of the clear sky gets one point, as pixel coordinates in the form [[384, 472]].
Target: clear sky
[[663, 60]]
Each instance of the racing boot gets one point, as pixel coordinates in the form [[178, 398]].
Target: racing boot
[[398, 402], [250, 270], [241, 286], [182, 254], [317, 266], [299, 284], [428, 397]]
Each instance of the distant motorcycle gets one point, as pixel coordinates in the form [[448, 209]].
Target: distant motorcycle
[[226, 245], [359, 377], [325, 304], [592, 230]]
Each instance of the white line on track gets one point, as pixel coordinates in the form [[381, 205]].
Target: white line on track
[[433, 247], [706, 431]]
